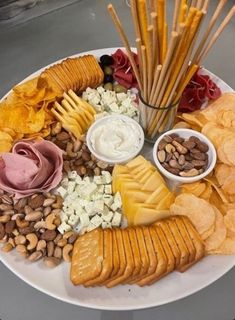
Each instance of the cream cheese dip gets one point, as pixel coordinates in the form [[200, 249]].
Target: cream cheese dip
[[115, 138]]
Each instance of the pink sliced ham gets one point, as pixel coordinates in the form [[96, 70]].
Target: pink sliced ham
[[33, 166]]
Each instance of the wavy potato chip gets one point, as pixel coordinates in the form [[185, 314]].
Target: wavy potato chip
[[208, 232], [215, 240], [227, 247], [196, 188], [222, 110], [226, 152], [199, 211], [222, 172], [229, 220]]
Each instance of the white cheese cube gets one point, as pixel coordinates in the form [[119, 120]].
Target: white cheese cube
[[96, 220], [121, 96], [62, 191], [89, 208], [107, 177], [68, 211], [108, 200], [114, 107], [71, 186], [78, 209], [100, 90], [106, 225], [72, 175], [73, 220], [78, 179], [98, 180], [63, 217], [118, 200], [116, 221], [108, 189], [84, 220], [99, 205], [64, 227], [64, 182], [107, 217], [91, 227], [97, 196]]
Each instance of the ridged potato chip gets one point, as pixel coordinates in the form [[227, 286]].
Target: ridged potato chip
[[199, 211], [216, 239]]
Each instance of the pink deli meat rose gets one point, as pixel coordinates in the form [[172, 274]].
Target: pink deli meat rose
[[33, 166]]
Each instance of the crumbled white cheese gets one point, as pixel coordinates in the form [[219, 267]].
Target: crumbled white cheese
[[107, 102], [88, 203]]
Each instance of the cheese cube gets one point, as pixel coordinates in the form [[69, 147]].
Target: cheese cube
[[91, 227], [100, 90], [89, 189], [64, 182], [64, 227], [78, 210], [62, 191], [118, 200], [96, 220], [71, 186], [108, 189], [108, 199], [73, 220], [89, 208], [72, 175], [116, 221], [99, 205], [78, 179], [100, 188], [63, 217], [106, 225], [68, 211], [107, 217], [121, 96], [84, 220], [107, 177], [98, 180]]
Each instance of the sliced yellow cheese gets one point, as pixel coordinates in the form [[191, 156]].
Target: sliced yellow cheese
[[166, 201], [144, 216], [154, 181], [158, 194], [136, 162]]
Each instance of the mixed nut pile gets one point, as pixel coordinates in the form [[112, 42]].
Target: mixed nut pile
[[30, 225], [183, 157]]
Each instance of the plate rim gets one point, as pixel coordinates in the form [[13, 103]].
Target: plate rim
[[110, 307]]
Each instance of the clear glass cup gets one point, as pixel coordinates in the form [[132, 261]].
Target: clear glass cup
[[156, 120]]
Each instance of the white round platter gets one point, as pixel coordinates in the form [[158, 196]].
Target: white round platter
[[56, 282]]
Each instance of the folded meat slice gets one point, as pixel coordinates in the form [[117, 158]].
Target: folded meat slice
[[33, 166]]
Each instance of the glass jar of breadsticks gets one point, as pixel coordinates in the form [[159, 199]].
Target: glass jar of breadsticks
[[168, 57], [156, 120]]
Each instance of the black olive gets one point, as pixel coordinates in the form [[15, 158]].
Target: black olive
[[101, 66], [108, 78], [106, 60]]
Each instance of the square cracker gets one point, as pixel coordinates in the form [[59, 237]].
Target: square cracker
[[87, 258], [69, 72], [107, 264], [116, 260], [184, 253], [171, 241], [78, 74], [92, 78], [161, 260], [129, 261], [197, 241], [135, 253], [143, 255], [187, 240], [122, 259]]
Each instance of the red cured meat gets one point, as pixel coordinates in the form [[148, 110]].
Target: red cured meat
[[200, 88], [31, 167], [122, 70]]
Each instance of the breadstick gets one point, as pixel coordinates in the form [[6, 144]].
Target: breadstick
[[155, 39], [134, 13], [124, 39]]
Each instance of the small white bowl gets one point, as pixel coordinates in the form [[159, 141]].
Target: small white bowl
[[186, 133], [103, 121]]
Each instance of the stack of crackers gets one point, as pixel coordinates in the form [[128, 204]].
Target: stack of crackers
[[74, 73], [140, 255]]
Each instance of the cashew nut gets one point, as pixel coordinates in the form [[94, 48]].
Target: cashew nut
[[33, 240], [59, 202], [7, 247], [68, 234], [39, 225], [48, 202], [41, 245], [21, 248], [20, 239], [58, 252], [12, 242], [21, 223], [57, 221], [49, 222], [67, 250]]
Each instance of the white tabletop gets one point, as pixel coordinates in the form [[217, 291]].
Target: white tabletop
[[29, 46]]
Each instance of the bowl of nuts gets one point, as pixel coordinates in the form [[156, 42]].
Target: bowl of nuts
[[184, 155]]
